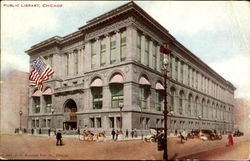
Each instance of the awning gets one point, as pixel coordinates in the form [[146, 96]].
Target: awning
[[48, 91], [159, 86], [38, 93], [116, 79], [144, 81], [96, 83]]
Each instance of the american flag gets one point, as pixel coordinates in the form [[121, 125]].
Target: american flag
[[40, 73]]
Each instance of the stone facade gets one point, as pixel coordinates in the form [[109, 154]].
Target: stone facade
[[121, 50]]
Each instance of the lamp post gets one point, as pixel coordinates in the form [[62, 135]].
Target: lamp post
[[120, 106], [164, 49], [20, 114]]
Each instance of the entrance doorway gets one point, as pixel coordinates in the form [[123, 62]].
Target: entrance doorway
[[70, 110]]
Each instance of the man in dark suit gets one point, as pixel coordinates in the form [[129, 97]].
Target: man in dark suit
[[59, 138]]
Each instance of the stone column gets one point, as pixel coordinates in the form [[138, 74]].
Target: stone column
[[71, 63], [150, 53], [87, 57], [97, 52], [106, 98], [158, 55], [143, 49], [118, 46], [107, 40], [131, 43]]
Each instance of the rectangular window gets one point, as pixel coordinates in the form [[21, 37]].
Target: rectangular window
[[143, 96], [93, 55], [154, 60], [158, 99], [117, 95], [112, 49], [67, 64], [92, 122], [182, 72], [192, 75], [76, 61], [123, 45], [98, 122], [138, 47], [161, 61], [97, 97], [146, 56], [48, 103], [44, 123], [176, 69], [147, 123], [118, 122], [102, 53], [36, 104], [170, 66], [111, 122], [33, 124], [37, 123]]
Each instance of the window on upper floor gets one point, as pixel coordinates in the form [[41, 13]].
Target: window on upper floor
[[176, 68], [75, 61], [116, 95], [146, 55], [138, 47], [154, 59], [123, 45], [103, 52], [144, 94], [112, 49], [67, 64], [181, 74], [158, 99], [93, 55], [36, 104], [170, 66]]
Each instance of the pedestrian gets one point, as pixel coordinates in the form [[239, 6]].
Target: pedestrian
[[32, 131], [59, 138], [126, 133], [135, 133], [40, 131], [230, 139], [49, 130], [113, 134], [132, 133]]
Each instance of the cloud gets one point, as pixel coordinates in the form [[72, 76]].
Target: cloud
[[235, 69]]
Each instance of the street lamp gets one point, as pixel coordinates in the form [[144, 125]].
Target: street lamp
[[20, 113], [164, 49], [120, 106]]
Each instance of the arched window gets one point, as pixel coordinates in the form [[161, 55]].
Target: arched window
[[172, 95], [158, 96], [96, 90], [189, 103], [202, 108], [196, 106], [181, 99]]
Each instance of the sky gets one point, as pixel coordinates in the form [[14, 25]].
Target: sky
[[217, 32]]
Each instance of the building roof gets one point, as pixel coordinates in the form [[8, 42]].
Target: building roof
[[129, 7]]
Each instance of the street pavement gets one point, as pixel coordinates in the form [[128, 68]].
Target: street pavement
[[43, 147]]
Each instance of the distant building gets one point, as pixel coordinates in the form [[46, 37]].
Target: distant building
[[14, 98], [242, 115], [108, 74]]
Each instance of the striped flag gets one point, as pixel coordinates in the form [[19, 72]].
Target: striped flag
[[40, 73]]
